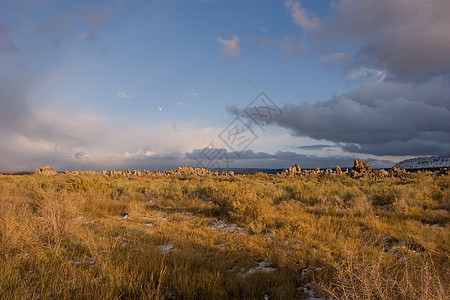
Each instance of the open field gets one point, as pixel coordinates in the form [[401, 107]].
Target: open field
[[218, 237]]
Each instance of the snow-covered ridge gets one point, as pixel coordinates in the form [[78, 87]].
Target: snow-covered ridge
[[425, 162]]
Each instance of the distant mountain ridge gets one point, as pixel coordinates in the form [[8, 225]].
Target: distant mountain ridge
[[429, 162]]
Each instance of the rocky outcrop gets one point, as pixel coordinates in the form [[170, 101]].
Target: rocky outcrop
[[397, 172], [180, 171], [46, 170], [189, 171], [382, 173], [361, 166], [361, 169], [292, 171]]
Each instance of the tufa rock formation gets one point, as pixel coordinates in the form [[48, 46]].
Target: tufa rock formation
[[361, 166], [46, 170], [292, 171]]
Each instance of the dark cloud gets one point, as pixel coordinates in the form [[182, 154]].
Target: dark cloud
[[6, 43], [413, 147], [81, 155], [280, 159], [378, 118], [409, 39], [403, 43], [435, 92], [314, 147]]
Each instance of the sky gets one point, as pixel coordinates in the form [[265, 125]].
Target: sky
[[222, 83]]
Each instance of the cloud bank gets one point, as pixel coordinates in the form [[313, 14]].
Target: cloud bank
[[382, 118], [277, 160], [407, 38], [405, 44]]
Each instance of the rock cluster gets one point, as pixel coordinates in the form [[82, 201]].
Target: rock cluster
[[185, 170], [292, 171], [180, 171], [361, 166], [45, 170], [360, 169]]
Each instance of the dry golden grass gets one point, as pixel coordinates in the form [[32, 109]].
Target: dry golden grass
[[219, 237]]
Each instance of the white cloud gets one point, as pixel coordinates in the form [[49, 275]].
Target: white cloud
[[230, 47], [300, 16], [124, 95], [363, 72], [89, 141], [193, 94]]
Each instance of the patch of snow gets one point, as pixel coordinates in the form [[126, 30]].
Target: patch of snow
[[166, 249], [152, 204], [297, 242], [20, 255], [311, 295], [263, 267], [161, 218], [81, 261], [222, 246], [233, 228], [304, 271]]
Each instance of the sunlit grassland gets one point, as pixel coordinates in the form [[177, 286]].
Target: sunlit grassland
[[219, 237]]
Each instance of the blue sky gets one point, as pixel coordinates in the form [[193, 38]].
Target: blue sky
[[151, 84]]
